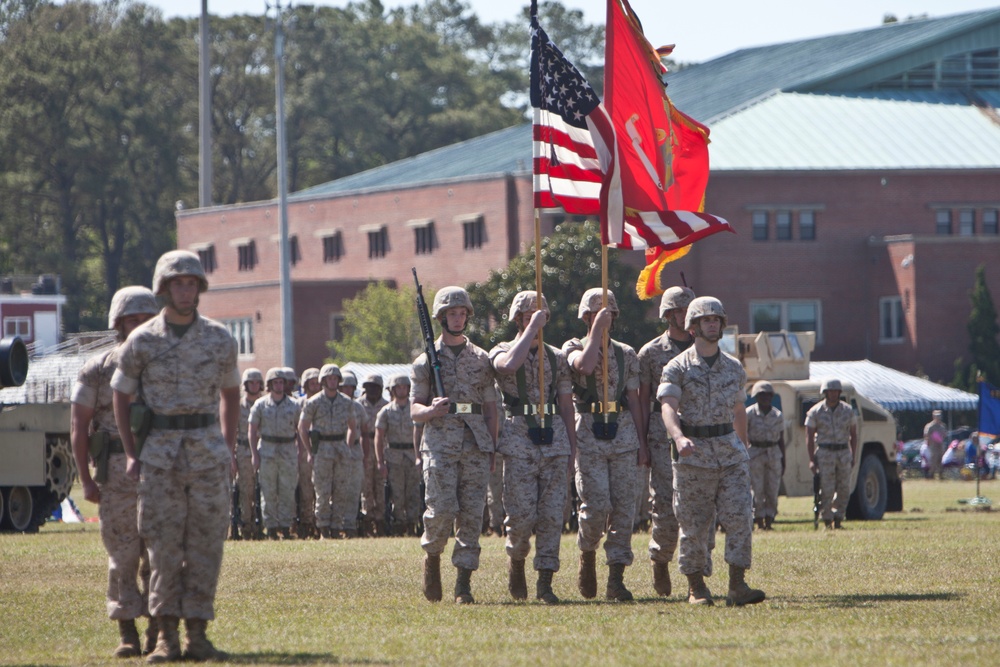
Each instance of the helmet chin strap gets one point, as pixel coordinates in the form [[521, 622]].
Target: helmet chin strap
[[444, 325]]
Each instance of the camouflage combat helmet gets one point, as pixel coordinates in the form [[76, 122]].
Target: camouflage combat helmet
[[251, 374], [374, 378], [591, 302], [309, 374], [524, 302], [289, 376], [399, 380], [134, 300], [178, 263], [675, 297], [762, 387], [830, 384], [348, 379], [272, 374], [702, 307], [452, 297], [328, 370]]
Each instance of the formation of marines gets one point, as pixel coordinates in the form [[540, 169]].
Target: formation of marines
[[180, 441]]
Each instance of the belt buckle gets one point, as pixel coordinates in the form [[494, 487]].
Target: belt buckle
[[463, 408], [610, 407]]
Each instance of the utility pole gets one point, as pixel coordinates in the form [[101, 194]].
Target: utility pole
[[287, 328], [204, 113]]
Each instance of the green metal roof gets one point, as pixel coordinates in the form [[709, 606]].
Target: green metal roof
[[888, 130], [722, 86]]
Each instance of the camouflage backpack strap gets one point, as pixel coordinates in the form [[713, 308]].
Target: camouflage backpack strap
[[592, 382], [522, 390]]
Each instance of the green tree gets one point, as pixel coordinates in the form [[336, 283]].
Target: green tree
[[88, 147], [571, 264], [380, 327], [984, 347]]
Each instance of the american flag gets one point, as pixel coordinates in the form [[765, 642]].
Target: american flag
[[574, 142], [576, 161]]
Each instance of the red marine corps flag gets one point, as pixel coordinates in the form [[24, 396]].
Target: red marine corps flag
[[663, 154]]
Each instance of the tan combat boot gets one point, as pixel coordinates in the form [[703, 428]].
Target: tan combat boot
[[661, 578], [463, 587], [129, 646], [198, 647], [516, 583], [543, 588], [587, 579], [432, 577], [739, 593], [149, 638], [616, 584], [698, 592], [168, 644]]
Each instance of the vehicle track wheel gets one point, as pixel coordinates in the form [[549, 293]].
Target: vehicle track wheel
[[20, 508], [60, 469]]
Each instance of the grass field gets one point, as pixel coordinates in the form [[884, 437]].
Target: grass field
[[919, 588]]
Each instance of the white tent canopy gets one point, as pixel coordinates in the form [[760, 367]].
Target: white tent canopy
[[893, 389]]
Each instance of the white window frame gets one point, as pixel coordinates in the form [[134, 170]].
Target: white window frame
[[897, 323], [336, 327], [242, 330], [18, 321], [783, 305]]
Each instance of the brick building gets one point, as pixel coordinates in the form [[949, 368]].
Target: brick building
[[861, 172]]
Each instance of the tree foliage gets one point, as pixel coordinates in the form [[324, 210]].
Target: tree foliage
[[984, 345], [380, 327], [571, 264]]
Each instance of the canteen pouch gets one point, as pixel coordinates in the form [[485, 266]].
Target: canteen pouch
[[99, 452], [140, 422], [314, 441]]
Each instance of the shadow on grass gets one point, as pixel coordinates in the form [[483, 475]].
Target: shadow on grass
[[278, 658], [861, 600]]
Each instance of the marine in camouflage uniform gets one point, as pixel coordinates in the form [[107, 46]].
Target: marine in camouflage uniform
[[179, 363], [304, 494], [606, 473], [373, 486], [702, 394], [653, 356], [832, 441], [459, 439], [273, 421], [349, 388], [398, 457], [246, 467], [536, 460], [92, 417], [329, 423], [766, 430]]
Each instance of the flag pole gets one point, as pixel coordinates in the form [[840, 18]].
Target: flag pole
[[538, 305], [604, 335]]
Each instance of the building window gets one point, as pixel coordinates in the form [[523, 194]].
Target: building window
[[990, 221], [785, 316], [423, 236], [336, 327], [474, 233], [294, 254], [892, 320], [966, 222], [207, 257], [943, 217], [247, 256], [807, 225], [333, 247], [242, 331], [783, 225], [759, 219], [378, 243], [17, 326]]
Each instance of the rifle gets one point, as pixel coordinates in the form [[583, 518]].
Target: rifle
[[817, 501], [388, 507], [234, 514], [428, 333]]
